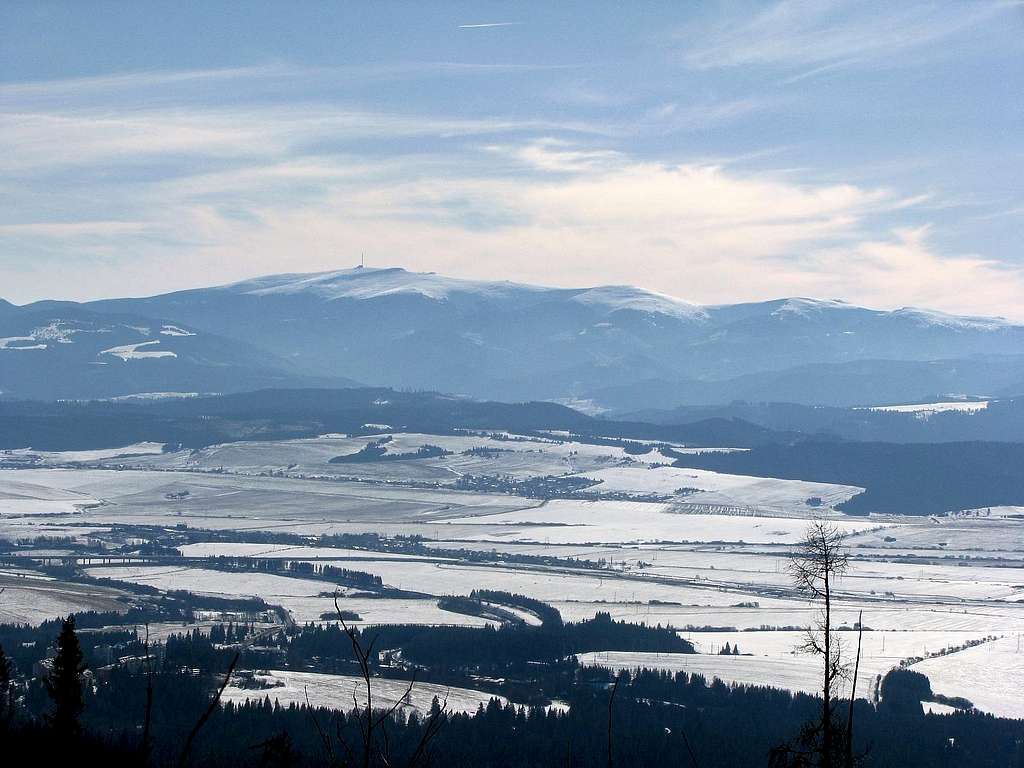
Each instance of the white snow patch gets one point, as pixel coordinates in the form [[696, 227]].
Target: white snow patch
[[927, 409], [6, 343], [624, 297], [158, 396], [365, 283], [804, 307], [929, 317], [173, 330], [135, 352], [136, 449]]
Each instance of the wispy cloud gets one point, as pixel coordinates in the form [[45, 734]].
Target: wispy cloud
[[131, 80], [285, 79], [73, 229], [38, 140], [240, 171], [827, 35]]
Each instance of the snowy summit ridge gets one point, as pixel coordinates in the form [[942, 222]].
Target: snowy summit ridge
[[367, 283], [502, 340]]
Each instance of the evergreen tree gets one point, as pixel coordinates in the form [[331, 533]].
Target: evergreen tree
[[6, 694], [65, 681]]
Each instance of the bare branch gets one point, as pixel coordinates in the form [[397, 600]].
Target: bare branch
[[183, 760], [316, 723], [146, 747], [433, 726]]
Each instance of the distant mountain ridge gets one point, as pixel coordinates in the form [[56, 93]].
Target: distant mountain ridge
[[279, 414], [501, 340]]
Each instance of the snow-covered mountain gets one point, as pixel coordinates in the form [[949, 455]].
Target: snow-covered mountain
[[58, 350], [508, 340]]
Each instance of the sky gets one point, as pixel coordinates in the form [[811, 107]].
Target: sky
[[718, 152]]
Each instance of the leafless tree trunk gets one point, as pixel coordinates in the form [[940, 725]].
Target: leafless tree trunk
[[853, 693], [146, 746], [368, 723], [816, 564], [611, 704]]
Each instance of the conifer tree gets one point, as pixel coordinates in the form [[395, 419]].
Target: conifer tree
[[65, 681]]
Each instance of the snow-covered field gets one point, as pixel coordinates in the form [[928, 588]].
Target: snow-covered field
[[231, 502], [507, 456], [753, 493], [305, 599], [342, 692], [404, 611], [34, 599], [794, 674], [64, 457], [214, 582], [991, 675], [299, 596], [310, 457], [20, 495], [711, 557], [280, 552], [880, 650], [563, 521]]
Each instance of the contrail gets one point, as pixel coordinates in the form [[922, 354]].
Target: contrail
[[491, 24]]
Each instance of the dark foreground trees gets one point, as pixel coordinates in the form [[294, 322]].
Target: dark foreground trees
[[656, 719], [64, 683], [655, 714], [6, 689]]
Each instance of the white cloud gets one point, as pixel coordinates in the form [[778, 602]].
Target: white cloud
[[559, 156], [904, 269], [115, 191], [702, 232]]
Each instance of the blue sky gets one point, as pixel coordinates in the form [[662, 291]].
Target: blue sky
[[719, 152]]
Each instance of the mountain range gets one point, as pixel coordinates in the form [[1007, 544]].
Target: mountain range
[[609, 347]]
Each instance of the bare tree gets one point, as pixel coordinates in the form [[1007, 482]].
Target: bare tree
[[375, 744], [815, 565], [853, 693]]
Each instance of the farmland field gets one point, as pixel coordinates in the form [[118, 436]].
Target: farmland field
[[32, 599], [342, 691], [701, 551]]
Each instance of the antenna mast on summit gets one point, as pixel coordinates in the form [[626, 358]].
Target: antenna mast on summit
[[362, 260]]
